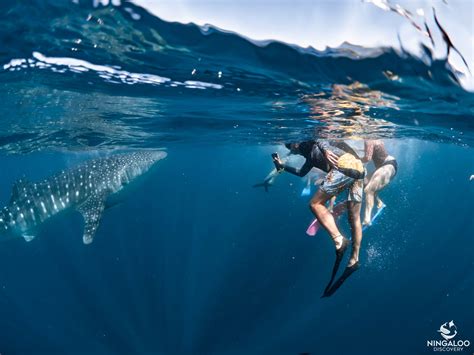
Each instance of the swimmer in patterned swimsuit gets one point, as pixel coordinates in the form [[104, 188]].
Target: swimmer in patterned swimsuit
[[385, 170]]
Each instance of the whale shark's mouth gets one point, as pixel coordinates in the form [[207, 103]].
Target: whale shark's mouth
[[159, 155]]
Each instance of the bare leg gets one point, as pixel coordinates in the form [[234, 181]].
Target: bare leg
[[378, 181], [317, 206], [369, 204], [356, 228], [367, 179], [331, 203]]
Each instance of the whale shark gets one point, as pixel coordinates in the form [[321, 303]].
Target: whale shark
[[85, 188]]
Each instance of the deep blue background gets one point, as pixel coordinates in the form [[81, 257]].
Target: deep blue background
[[195, 260]]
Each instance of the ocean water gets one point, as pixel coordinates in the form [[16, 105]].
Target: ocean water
[[195, 260]]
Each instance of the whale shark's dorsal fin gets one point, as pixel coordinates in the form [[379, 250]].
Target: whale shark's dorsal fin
[[91, 210], [20, 187]]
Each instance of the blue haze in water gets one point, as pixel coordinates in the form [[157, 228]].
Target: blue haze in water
[[196, 260]]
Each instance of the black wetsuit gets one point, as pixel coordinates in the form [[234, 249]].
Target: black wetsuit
[[313, 151]]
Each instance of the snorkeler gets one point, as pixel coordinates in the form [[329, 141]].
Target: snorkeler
[[344, 172], [385, 170]]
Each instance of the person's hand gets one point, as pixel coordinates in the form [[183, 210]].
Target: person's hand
[[278, 163], [331, 157]]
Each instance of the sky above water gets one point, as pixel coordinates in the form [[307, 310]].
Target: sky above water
[[330, 23]]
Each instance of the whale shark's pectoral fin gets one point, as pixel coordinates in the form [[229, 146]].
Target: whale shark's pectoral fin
[[92, 211]]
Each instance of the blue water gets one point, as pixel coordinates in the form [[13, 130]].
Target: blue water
[[196, 260]]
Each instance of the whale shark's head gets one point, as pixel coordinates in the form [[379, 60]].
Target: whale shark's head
[[156, 155], [138, 163], [146, 159]]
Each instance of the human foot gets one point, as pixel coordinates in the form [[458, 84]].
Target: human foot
[[341, 243], [352, 262], [380, 204]]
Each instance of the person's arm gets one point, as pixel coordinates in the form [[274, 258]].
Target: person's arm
[[369, 151], [323, 144], [305, 169], [325, 147], [346, 148]]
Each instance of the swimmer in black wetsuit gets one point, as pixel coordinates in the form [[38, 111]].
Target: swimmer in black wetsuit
[[324, 155]]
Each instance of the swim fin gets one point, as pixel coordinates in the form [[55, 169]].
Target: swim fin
[[336, 212], [306, 191], [345, 275], [339, 255], [379, 211]]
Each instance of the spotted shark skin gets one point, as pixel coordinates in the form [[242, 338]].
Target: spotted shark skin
[[84, 188]]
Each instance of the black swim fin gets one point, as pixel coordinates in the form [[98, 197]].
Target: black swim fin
[[339, 255], [345, 275]]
